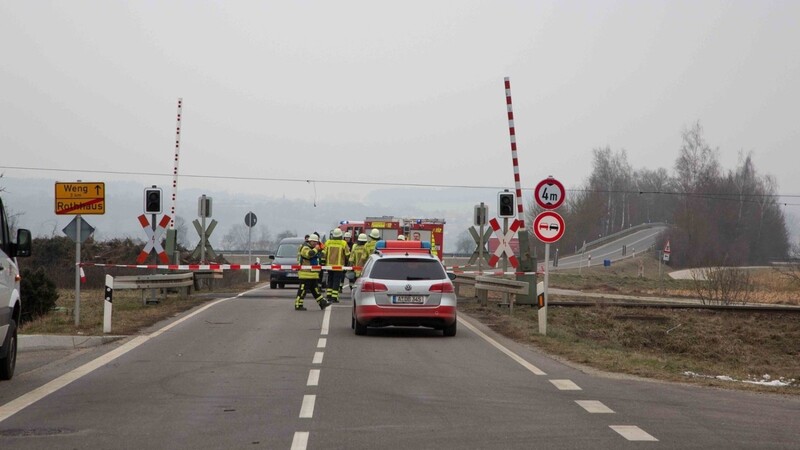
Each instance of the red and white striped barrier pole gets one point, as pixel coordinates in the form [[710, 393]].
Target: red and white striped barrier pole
[[175, 168], [514, 159]]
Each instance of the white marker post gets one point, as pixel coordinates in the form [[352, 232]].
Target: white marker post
[[107, 304], [258, 271]]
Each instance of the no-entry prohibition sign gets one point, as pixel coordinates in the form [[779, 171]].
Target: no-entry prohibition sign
[[548, 226]]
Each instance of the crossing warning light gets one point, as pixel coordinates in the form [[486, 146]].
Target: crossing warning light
[[152, 200], [505, 204]]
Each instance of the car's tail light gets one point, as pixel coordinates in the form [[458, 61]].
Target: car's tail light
[[371, 286], [444, 288]]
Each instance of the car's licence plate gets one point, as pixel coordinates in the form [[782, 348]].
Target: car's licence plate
[[408, 299]]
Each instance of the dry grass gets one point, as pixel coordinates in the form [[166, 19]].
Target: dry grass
[[130, 314], [661, 344]]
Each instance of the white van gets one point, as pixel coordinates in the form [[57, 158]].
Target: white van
[[10, 302]]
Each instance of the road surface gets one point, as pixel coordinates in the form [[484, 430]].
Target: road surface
[[250, 372]]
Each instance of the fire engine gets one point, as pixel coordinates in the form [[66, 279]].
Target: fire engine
[[414, 229]]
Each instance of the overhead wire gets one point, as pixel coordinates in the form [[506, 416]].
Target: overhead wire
[[708, 195]]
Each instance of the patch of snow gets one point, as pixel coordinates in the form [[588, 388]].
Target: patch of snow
[[765, 380]]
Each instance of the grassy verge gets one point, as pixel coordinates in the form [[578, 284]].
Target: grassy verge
[[130, 314], [695, 346]]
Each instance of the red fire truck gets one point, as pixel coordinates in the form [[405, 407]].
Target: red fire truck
[[413, 229]]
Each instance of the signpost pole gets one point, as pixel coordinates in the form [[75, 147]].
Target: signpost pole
[[203, 239], [249, 253], [543, 311], [78, 271]]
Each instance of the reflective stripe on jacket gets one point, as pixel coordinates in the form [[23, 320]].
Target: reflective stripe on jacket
[[337, 252], [308, 257]]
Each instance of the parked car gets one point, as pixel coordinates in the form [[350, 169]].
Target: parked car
[[402, 284], [285, 256], [10, 301]]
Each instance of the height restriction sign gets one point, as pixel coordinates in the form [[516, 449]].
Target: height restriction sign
[[549, 193]]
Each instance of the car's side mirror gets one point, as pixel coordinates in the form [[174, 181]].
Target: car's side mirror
[[272, 257], [451, 276], [23, 247]]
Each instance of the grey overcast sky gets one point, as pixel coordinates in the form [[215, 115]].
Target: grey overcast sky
[[407, 92]]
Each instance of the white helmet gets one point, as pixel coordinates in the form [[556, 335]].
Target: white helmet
[[337, 233], [313, 237], [375, 233], [347, 235], [401, 238], [362, 237]]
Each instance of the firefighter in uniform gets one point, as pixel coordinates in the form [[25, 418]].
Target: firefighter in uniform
[[337, 253], [348, 237], [374, 237], [308, 255], [359, 255]]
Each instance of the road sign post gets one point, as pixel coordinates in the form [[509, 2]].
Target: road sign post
[[250, 220], [548, 227]]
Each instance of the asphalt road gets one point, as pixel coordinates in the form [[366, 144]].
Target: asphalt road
[[641, 240], [249, 372]]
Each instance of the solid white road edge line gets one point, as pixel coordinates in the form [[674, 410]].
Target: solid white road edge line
[[25, 400], [307, 410], [500, 347], [300, 440]]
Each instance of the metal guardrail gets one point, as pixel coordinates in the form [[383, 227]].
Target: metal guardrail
[[497, 284], [160, 282]]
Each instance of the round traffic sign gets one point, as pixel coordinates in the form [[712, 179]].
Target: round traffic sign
[[548, 226], [549, 193], [250, 219]]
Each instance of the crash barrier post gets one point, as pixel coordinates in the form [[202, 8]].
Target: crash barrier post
[[206, 277], [160, 283], [484, 284]]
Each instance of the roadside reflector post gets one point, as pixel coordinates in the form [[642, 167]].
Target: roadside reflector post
[[107, 304], [258, 270]]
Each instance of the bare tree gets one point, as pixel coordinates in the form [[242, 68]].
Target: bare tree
[[723, 285]]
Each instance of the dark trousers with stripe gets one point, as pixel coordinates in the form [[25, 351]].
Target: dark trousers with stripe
[[310, 285], [335, 281]]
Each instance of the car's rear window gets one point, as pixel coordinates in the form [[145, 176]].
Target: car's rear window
[[408, 269], [287, 250]]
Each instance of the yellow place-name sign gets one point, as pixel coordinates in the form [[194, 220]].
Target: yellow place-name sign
[[80, 198]]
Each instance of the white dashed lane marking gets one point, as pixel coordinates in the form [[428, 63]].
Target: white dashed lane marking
[[300, 441], [318, 357], [313, 378], [307, 410], [565, 385], [595, 407], [633, 433], [322, 343], [326, 321]]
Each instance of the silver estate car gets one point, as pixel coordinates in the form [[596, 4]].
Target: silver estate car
[[402, 284]]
